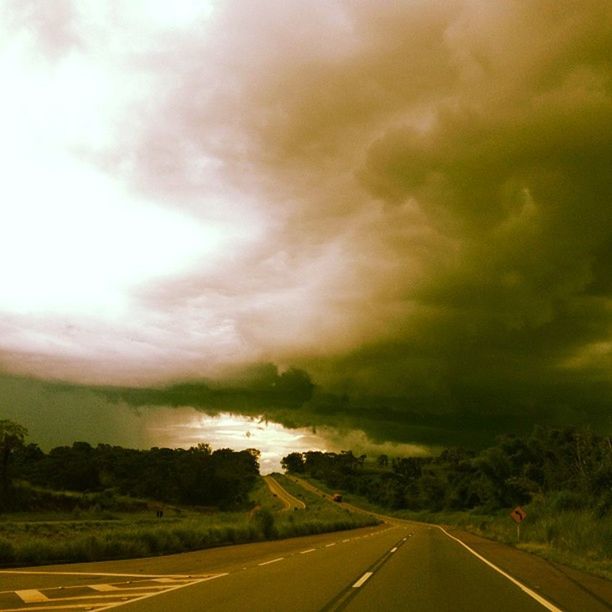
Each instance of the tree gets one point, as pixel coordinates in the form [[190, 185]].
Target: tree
[[12, 436], [293, 463], [382, 461]]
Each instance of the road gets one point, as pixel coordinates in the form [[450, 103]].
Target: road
[[289, 501], [395, 566]]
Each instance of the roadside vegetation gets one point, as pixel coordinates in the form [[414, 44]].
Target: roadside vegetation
[[561, 478], [319, 516], [83, 503]]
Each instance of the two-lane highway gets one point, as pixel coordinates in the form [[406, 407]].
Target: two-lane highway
[[398, 566], [394, 568]]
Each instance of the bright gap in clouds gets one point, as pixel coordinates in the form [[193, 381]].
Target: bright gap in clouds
[[73, 240], [182, 427]]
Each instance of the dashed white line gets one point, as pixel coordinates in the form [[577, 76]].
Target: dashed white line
[[329, 545], [347, 540], [271, 561], [393, 549], [309, 550], [362, 580]]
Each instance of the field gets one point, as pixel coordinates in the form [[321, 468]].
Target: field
[[96, 534]]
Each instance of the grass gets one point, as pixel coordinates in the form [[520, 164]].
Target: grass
[[319, 516], [91, 535], [577, 538]]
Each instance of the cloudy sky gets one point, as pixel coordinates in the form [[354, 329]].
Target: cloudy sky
[[409, 200]]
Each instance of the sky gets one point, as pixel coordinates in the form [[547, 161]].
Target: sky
[[409, 200]]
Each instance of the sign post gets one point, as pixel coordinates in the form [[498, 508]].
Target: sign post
[[518, 515]]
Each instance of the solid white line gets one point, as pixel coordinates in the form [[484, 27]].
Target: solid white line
[[31, 596], [328, 545], [393, 549], [543, 602], [86, 606], [303, 552], [103, 574], [273, 561], [174, 588], [362, 580]]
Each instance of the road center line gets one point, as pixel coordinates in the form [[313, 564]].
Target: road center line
[[362, 580], [303, 552], [328, 545], [393, 549], [543, 602], [272, 561]]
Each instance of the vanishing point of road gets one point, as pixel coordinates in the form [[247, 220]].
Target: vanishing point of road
[[398, 565]]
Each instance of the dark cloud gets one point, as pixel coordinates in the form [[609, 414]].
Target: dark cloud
[[429, 186]]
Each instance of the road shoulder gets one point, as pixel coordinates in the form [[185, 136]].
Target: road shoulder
[[575, 589]]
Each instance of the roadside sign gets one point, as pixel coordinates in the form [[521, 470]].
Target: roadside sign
[[518, 515]]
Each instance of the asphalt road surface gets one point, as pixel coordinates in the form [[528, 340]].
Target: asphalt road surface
[[289, 501], [396, 566]]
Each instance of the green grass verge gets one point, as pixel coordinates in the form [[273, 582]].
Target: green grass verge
[[319, 516], [41, 538]]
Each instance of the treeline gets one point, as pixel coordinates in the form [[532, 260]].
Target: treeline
[[196, 476], [573, 467]]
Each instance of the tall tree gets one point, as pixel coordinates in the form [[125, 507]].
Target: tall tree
[[12, 436]]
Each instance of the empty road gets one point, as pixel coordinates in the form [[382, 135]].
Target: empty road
[[399, 566]]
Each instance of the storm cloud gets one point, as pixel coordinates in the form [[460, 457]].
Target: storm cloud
[[415, 198]]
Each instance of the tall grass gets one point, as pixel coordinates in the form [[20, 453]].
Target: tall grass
[[25, 543], [31, 542]]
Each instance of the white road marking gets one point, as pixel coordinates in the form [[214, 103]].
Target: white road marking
[[362, 580], [309, 550], [393, 549], [103, 587], [174, 588], [347, 540], [543, 602], [328, 545], [84, 606], [31, 596], [102, 574], [272, 561], [124, 595]]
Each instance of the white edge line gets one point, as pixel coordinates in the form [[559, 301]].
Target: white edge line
[[174, 588], [272, 561], [543, 602], [362, 580]]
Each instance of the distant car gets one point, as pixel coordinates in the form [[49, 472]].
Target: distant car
[[337, 497]]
